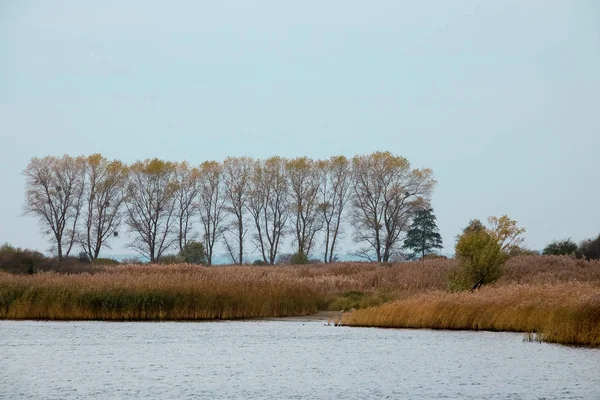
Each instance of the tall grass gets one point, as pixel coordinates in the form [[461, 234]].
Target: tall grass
[[558, 297], [549, 269], [185, 292], [566, 313]]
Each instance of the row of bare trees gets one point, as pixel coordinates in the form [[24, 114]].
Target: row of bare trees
[[83, 201]]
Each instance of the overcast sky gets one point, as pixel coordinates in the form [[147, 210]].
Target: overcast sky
[[501, 99]]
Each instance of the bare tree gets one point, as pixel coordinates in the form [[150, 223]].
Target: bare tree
[[237, 174], [54, 194], [386, 193], [186, 196], [305, 183], [151, 207], [211, 205], [268, 205], [104, 195], [336, 181]]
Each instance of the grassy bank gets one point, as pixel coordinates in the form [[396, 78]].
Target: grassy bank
[[557, 297], [567, 313], [185, 292]]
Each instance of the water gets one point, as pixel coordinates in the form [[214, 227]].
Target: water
[[283, 360]]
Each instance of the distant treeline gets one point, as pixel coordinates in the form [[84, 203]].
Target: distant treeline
[[81, 203], [588, 248]]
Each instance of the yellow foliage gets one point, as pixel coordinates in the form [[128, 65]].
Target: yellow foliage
[[210, 167], [506, 232]]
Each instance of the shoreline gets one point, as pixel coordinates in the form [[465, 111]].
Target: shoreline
[[335, 319], [316, 317], [556, 297], [319, 316], [566, 313]]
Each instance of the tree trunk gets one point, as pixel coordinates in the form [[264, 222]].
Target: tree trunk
[[241, 239], [59, 245]]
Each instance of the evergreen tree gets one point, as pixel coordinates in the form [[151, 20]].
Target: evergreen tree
[[423, 236]]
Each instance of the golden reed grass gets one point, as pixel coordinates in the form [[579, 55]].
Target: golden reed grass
[[567, 313], [557, 297], [185, 292]]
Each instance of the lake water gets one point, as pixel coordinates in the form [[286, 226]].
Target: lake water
[[283, 360]]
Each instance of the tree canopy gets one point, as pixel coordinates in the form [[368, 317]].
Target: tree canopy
[[83, 202], [481, 251], [560, 247]]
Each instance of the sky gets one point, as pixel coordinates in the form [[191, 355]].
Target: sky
[[501, 99]]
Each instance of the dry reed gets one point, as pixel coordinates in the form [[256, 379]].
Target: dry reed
[[185, 292], [567, 313], [558, 297]]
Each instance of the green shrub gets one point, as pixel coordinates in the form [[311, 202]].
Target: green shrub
[[193, 253], [560, 248], [299, 258], [83, 257], [480, 259], [21, 261]]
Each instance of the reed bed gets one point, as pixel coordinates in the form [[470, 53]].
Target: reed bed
[[567, 313], [549, 269], [557, 297], [186, 292]]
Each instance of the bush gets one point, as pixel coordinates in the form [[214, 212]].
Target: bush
[[83, 257], [105, 261], [299, 259], [19, 261], [480, 259], [193, 253], [293, 259], [475, 225], [23, 261], [69, 265], [560, 248], [259, 262]]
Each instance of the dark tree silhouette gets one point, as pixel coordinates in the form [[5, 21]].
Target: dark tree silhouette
[[560, 247], [423, 236], [590, 249]]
